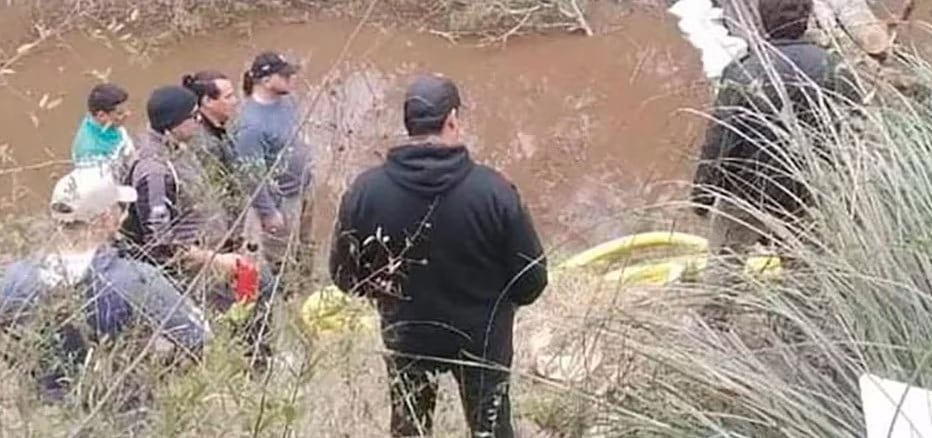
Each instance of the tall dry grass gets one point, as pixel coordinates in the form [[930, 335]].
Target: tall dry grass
[[856, 301]]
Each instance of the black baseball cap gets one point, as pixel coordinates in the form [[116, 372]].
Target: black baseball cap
[[269, 63], [431, 98]]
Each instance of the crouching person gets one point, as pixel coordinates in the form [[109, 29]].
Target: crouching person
[[180, 222], [82, 292]]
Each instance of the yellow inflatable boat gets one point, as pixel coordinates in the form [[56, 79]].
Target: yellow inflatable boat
[[330, 311], [689, 260]]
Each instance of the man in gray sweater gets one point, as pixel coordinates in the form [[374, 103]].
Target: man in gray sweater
[[276, 158]]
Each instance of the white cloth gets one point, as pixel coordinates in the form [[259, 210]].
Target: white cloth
[[66, 268], [701, 24]]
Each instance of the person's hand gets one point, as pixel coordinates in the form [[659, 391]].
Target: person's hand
[[163, 346], [274, 223], [226, 263]]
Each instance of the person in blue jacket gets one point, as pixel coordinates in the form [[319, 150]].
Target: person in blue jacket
[[111, 293]]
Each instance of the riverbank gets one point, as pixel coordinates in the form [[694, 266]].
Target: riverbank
[[595, 133]]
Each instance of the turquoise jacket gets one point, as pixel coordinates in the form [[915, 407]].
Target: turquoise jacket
[[94, 142]]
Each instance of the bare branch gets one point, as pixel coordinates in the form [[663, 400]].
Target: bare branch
[[581, 18]]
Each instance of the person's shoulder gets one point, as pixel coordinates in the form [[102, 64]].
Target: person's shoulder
[[19, 281], [19, 265], [371, 180], [741, 70], [803, 51], [127, 269], [492, 181], [249, 114], [147, 160], [138, 267], [83, 136], [20, 278], [371, 177], [290, 101], [807, 46], [492, 176], [147, 167], [18, 271], [137, 278]]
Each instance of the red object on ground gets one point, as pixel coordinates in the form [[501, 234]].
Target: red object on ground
[[246, 280]]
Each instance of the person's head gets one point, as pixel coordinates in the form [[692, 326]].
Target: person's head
[[172, 110], [216, 96], [106, 103], [432, 104], [785, 19], [89, 204], [270, 72]]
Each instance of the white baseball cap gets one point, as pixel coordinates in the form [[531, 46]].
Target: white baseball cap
[[85, 193]]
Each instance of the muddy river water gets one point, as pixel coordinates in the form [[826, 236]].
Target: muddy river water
[[584, 126]]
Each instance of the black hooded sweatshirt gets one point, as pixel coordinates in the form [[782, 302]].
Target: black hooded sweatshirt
[[444, 246]]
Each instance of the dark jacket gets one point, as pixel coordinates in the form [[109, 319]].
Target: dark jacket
[[216, 144], [742, 154], [444, 246], [178, 205], [213, 147], [188, 195]]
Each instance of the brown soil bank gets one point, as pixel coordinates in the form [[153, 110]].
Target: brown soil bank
[[575, 122]]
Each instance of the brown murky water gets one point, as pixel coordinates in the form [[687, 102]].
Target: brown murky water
[[586, 127], [575, 122]]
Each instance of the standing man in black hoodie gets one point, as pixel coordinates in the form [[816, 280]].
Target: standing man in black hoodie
[[448, 252]]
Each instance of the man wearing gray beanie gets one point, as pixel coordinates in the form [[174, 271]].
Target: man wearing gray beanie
[[169, 108], [180, 221], [176, 215]]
